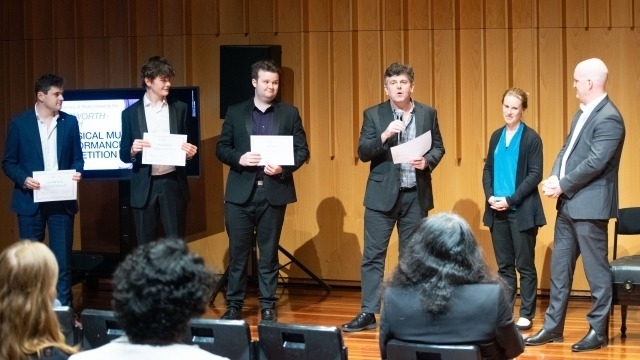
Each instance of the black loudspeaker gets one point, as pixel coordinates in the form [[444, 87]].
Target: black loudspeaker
[[235, 71]]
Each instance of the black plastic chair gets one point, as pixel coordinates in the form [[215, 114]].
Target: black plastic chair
[[280, 341], [99, 327], [226, 338], [400, 350], [67, 324], [625, 270]]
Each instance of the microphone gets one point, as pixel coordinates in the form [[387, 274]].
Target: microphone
[[398, 116]]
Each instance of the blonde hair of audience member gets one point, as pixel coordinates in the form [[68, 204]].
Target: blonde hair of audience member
[[28, 324]]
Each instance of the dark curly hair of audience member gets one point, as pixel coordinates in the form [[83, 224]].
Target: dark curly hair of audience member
[[158, 289], [441, 255]]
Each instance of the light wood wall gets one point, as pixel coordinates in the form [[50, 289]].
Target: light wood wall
[[465, 54]]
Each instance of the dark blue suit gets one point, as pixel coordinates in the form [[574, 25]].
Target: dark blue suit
[[23, 156]]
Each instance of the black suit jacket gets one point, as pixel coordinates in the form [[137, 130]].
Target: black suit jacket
[[134, 125], [383, 184], [23, 156], [235, 140], [478, 314], [526, 198]]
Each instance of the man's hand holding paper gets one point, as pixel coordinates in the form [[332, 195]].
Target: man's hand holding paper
[[273, 150], [55, 185], [412, 151], [164, 149]]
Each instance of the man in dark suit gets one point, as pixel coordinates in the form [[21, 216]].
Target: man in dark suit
[[156, 189], [256, 197], [396, 194], [45, 139], [585, 181]]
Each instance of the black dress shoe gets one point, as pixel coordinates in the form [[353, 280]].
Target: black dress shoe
[[543, 337], [269, 315], [232, 313], [362, 321], [591, 341]]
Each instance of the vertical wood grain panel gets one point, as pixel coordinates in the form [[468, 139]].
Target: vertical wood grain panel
[[261, 16], [233, 16], [289, 17], [549, 13], [576, 13], [495, 14], [418, 14], [471, 14]]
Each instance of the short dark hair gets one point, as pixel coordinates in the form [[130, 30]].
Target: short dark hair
[[47, 81], [264, 65], [441, 254], [157, 289], [396, 69], [154, 67]]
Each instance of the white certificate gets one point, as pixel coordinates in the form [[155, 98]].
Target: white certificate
[[273, 149], [55, 186], [413, 149], [165, 149]]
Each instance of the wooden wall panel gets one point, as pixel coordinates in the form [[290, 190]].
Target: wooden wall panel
[[471, 14], [419, 14], [465, 53], [549, 13]]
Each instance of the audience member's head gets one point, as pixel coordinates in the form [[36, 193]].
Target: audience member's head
[[441, 254], [158, 289], [28, 324]]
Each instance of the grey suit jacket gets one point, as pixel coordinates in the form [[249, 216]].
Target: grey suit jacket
[[590, 184], [134, 125], [383, 184]]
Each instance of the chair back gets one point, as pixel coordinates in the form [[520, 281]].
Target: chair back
[[401, 350], [67, 324], [280, 341], [99, 327], [627, 223], [226, 338]]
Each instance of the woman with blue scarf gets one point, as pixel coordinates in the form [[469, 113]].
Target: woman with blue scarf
[[513, 210]]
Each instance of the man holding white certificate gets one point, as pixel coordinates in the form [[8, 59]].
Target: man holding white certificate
[[257, 195], [44, 160], [154, 139]]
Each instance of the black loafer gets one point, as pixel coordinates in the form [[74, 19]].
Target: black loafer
[[591, 341], [269, 315], [362, 321], [543, 337], [232, 313]]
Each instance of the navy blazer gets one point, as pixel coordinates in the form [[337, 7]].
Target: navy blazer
[[383, 184], [235, 141], [526, 199], [23, 156], [134, 125], [477, 314], [590, 185]]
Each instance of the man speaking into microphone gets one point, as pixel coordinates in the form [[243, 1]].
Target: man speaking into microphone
[[396, 194]]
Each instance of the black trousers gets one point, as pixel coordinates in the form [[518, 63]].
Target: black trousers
[[256, 218], [165, 202]]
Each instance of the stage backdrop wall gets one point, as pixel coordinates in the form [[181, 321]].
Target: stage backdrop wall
[[465, 54]]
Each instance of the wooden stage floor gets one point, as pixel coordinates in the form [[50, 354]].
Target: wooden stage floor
[[313, 306]]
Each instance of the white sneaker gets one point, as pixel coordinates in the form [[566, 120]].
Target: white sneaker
[[524, 324]]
